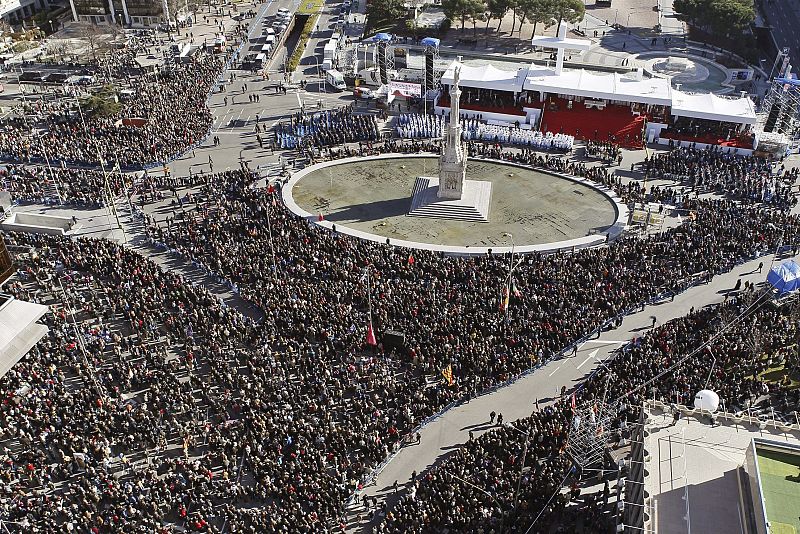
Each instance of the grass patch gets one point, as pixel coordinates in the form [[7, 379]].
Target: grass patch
[[305, 35]]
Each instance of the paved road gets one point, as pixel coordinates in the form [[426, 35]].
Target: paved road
[[784, 18]]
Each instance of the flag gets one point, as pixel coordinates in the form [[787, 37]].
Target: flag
[[320, 218], [447, 373], [371, 335], [572, 401], [270, 189], [411, 259], [504, 303], [514, 290]]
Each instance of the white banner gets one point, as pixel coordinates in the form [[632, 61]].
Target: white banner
[[405, 88]]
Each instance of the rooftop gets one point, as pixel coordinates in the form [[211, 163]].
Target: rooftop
[[695, 459]]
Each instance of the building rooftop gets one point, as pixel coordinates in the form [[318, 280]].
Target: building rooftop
[[692, 476]]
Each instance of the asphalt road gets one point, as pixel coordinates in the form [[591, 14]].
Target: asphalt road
[[784, 18]]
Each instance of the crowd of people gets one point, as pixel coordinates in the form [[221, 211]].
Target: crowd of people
[[166, 114], [277, 421], [747, 178], [603, 150], [475, 489], [60, 185], [326, 128], [419, 126]]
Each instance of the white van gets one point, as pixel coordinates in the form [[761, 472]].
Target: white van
[[335, 79]]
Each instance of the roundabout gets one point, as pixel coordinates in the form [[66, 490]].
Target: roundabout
[[370, 198]]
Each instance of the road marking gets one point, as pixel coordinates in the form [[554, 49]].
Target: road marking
[[589, 357], [555, 371]]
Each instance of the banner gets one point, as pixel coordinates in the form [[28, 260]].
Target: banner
[[405, 88]]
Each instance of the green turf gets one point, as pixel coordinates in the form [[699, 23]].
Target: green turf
[[780, 483]]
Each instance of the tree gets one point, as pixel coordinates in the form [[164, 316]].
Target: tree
[[571, 11], [497, 9], [387, 10], [724, 17], [540, 12], [462, 9], [477, 13]]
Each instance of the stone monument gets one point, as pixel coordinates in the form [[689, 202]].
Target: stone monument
[[451, 195], [453, 161]]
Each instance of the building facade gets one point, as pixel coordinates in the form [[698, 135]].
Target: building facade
[[15, 11], [135, 13]]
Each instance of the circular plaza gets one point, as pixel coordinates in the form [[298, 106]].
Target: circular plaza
[[370, 198]]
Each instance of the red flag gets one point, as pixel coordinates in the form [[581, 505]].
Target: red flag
[[371, 335], [320, 218], [270, 189], [573, 401], [411, 259]]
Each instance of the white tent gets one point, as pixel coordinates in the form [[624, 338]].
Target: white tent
[[712, 107], [627, 88], [486, 77]]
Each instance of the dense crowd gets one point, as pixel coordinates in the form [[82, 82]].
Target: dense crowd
[[53, 185], [166, 113], [156, 405], [604, 150], [475, 489], [746, 178], [326, 128]]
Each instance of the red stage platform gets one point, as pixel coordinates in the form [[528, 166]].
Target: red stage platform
[[590, 123]]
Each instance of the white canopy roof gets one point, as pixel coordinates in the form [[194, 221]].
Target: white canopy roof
[[611, 86], [712, 107], [632, 87], [486, 77]]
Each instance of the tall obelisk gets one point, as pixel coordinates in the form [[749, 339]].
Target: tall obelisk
[[453, 161]]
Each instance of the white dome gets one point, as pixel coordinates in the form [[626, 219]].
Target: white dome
[[706, 400]]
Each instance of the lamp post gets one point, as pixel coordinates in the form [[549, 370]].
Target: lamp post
[[492, 497], [522, 463], [511, 267]]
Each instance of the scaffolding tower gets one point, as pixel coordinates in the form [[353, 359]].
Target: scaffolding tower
[[779, 110], [589, 434]]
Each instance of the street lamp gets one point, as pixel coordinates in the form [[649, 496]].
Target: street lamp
[[511, 267], [522, 463]]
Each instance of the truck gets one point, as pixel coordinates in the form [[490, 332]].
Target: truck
[[329, 52], [335, 80]]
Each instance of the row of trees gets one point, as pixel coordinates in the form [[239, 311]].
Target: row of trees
[[722, 17], [535, 12]]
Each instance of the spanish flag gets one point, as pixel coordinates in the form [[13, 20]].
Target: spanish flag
[[504, 302], [448, 374]]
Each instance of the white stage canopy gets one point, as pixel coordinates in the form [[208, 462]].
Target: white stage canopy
[[486, 77], [627, 88], [712, 107]]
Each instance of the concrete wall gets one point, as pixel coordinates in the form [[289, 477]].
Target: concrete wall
[[37, 223]]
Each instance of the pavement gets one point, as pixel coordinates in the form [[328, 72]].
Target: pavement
[[783, 17]]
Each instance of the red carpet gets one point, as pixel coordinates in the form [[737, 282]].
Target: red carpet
[[736, 142], [583, 123]]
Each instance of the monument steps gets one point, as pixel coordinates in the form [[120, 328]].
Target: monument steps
[[473, 206]]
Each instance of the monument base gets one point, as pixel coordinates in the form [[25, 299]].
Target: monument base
[[472, 206]]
